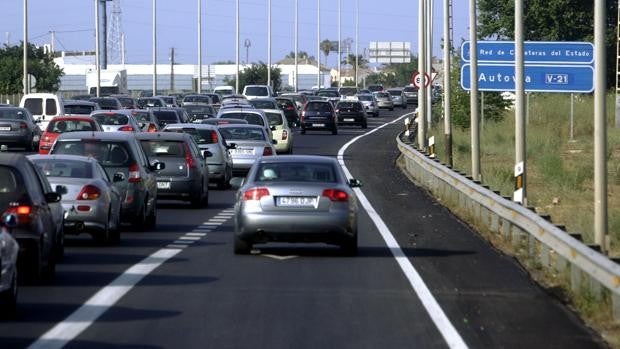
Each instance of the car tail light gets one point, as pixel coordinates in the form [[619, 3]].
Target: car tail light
[[303, 115], [214, 138], [83, 208], [22, 211], [336, 195], [89, 192], [189, 160], [284, 135], [255, 194], [126, 128], [23, 125], [134, 173], [267, 151], [152, 128], [290, 107]]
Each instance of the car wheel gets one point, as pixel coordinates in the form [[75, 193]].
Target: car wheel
[[349, 246], [365, 124], [139, 222], [242, 246], [200, 199], [8, 299], [303, 131], [30, 146], [59, 247], [334, 131]]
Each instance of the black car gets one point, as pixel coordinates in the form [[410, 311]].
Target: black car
[[167, 116], [26, 192], [18, 128], [186, 176], [80, 107], [108, 103], [289, 107], [318, 115], [351, 113], [411, 92]]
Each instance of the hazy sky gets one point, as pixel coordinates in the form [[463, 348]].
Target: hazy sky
[[73, 22]]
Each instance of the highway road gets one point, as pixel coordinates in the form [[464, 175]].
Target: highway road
[[181, 286]]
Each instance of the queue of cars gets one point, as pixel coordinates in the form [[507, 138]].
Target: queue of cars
[[97, 172]]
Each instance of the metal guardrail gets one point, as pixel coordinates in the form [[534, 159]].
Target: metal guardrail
[[583, 267]]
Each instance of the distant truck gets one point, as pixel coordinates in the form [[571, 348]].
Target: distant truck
[[112, 82]]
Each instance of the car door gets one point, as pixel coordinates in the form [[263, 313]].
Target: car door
[[200, 160], [115, 195], [43, 214]]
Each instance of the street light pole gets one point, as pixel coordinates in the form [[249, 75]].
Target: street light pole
[[25, 79], [296, 45], [154, 47], [318, 44], [339, 44], [237, 46], [97, 43], [199, 89], [269, 42], [473, 96], [357, 30], [601, 236]]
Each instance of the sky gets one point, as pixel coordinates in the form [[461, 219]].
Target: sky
[[73, 22]]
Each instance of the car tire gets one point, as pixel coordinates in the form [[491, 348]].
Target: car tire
[[365, 124], [200, 200], [59, 246], [139, 222], [334, 131], [242, 246], [8, 299], [151, 219], [303, 131]]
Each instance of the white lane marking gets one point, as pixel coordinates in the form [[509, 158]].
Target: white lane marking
[[197, 234], [84, 316], [280, 258], [177, 246], [192, 238], [210, 224], [443, 324], [202, 230], [215, 220]]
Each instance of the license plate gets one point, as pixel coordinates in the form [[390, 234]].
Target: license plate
[[298, 201], [318, 125], [163, 185], [349, 120], [5, 128], [242, 151]]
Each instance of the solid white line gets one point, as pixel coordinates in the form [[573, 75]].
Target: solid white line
[[84, 316], [443, 324]]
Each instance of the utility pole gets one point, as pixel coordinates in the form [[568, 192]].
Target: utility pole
[[154, 47], [172, 69], [447, 91], [339, 46], [97, 44], [357, 31], [199, 87], [421, 117], [237, 46], [318, 44], [296, 45], [247, 44], [520, 194], [269, 42], [25, 70], [473, 96]]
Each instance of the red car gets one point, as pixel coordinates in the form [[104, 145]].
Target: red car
[[62, 124]]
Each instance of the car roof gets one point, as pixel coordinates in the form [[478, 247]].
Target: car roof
[[192, 125], [115, 136], [111, 112], [72, 117], [241, 110], [11, 159], [167, 136], [63, 157], [300, 158]]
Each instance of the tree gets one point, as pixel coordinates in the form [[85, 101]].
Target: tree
[[550, 20], [300, 55], [326, 46], [40, 64], [256, 74]]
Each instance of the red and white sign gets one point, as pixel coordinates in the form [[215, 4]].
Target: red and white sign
[[416, 80]]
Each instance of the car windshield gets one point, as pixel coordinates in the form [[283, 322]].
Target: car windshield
[[201, 136], [328, 94], [251, 118], [364, 97], [256, 91], [61, 126], [295, 172], [348, 91], [108, 153], [243, 133], [65, 168], [12, 113], [111, 119], [197, 99], [163, 148]]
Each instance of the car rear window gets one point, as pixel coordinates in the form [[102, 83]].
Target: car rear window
[[162, 148], [141, 116], [201, 136], [295, 172], [108, 153], [349, 105], [242, 133], [364, 98], [263, 104], [79, 109], [395, 92], [410, 89], [111, 119], [61, 126], [107, 103], [197, 99], [321, 106], [10, 113], [65, 168], [10, 188], [251, 118], [328, 94], [256, 91], [275, 119], [382, 95], [167, 117]]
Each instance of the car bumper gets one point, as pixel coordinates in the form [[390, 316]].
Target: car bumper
[[350, 120], [14, 138], [318, 125], [386, 104], [77, 221], [217, 171], [179, 188]]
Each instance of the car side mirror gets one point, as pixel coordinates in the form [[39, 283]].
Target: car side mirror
[[354, 183], [61, 189], [273, 141], [236, 182], [52, 197], [207, 154], [118, 177], [273, 128], [9, 220], [231, 146]]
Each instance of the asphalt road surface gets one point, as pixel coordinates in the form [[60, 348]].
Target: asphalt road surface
[[181, 286]]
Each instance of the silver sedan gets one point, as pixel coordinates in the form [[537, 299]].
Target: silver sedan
[[296, 198], [247, 143], [91, 202]]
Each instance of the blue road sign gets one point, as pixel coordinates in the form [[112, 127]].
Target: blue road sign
[[542, 52], [538, 78]]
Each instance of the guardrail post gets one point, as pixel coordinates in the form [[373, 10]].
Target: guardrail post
[[615, 306], [544, 255], [576, 278]]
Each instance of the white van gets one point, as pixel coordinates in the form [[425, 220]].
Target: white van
[[258, 91], [43, 107], [224, 90]]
